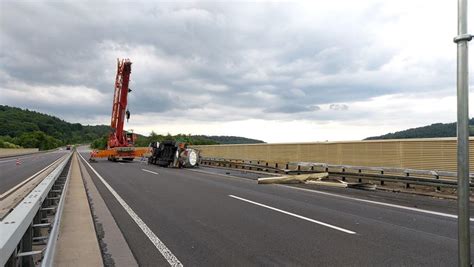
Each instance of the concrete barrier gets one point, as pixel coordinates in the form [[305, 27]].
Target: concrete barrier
[[8, 152], [423, 154]]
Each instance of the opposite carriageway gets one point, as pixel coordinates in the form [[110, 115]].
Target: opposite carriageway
[[16, 169]]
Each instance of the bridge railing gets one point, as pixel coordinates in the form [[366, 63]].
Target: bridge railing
[[434, 178], [34, 221]]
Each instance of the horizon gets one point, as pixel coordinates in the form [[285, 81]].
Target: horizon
[[290, 142]]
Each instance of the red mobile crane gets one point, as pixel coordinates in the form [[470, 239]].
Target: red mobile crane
[[118, 137], [120, 144]]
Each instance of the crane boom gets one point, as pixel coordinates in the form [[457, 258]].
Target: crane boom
[[118, 137]]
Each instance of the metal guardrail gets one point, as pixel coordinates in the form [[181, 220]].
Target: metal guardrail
[[23, 227], [433, 178], [29, 153], [50, 249]]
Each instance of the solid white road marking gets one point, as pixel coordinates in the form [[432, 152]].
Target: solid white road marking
[[145, 170], [162, 248], [378, 203], [295, 215], [351, 198]]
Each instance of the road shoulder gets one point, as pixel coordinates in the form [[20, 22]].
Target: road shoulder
[[115, 249]]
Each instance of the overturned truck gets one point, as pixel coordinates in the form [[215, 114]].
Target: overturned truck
[[173, 154]]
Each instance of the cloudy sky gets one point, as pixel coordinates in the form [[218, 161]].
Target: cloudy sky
[[275, 71]]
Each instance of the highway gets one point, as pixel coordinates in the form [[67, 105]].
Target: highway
[[211, 219], [12, 173]]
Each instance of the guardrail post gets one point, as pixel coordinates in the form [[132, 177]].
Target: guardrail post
[[343, 177], [37, 220], [407, 184], [382, 182], [27, 246], [438, 188]]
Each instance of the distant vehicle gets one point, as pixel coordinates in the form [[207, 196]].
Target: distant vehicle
[[173, 154], [68, 147]]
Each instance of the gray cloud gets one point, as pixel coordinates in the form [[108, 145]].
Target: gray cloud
[[209, 59], [295, 108], [338, 107]]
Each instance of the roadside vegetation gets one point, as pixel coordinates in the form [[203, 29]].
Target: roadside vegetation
[[7, 142]]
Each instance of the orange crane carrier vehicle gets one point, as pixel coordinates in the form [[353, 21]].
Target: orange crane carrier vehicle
[[120, 144]]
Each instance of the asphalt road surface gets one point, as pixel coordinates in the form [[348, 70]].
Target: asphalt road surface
[[12, 173], [209, 219]]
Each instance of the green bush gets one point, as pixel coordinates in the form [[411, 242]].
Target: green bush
[[8, 145], [38, 139], [99, 143]]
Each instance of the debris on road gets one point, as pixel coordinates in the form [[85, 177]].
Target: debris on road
[[294, 179], [316, 179], [329, 182]]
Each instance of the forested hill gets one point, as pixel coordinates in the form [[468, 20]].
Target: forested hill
[[28, 128], [430, 131]]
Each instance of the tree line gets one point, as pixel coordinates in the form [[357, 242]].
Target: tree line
[[101, 143]]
